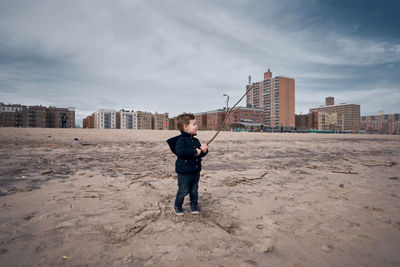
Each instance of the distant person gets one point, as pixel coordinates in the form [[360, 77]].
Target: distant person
[[64, 120], [189, 152]]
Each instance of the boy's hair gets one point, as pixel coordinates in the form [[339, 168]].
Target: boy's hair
[[184, 119]]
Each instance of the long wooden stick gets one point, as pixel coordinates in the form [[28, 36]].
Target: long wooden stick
[[228, 111]]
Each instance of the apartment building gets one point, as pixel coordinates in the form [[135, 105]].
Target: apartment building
[[255, 115], [127, 119], [88, 122], [144, 120], [330, 121], [348, 115], [60, 117], [36, 116], [276, 96], [307, 121], [201, 119], [381, 123], [172, 124], [12, 115], [213, 120], [160, 121], [105, 119]]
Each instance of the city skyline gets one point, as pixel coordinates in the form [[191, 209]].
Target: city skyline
[[173, 57]]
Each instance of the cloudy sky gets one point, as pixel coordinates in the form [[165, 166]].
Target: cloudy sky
[[182, 56]]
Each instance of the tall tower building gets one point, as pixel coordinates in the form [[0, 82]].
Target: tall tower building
[[276, 96]]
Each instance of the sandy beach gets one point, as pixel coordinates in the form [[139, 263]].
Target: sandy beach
[[266, 199]]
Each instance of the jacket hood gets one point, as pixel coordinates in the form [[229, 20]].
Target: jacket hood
[[172, 141]]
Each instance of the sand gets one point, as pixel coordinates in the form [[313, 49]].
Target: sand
[[266, 199]]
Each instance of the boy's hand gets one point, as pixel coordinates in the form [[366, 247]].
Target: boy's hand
[[198, 151], [204, 148]]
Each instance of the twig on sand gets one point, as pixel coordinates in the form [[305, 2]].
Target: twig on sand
[[375, 164], [46, 172], [85, 143], [137, 178], [346, 172], [257, 178]]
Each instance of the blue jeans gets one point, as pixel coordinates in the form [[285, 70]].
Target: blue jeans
[[187, 184]]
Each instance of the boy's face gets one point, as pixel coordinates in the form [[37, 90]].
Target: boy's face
[[191, 128]]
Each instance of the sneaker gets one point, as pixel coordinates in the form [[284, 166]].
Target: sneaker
[[195, 210], [178, 211]]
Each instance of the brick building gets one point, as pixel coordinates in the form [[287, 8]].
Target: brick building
[[255, 115], [12, 115], [160, 121], [307, 121], [172, 124], [201, 119], [36, 116], [348, 115], [213, 120], [330, 121], [144, 120], [88, 122], [60, 117], [381, 123]]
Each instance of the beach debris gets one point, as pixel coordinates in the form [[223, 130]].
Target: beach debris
[[377, 163], [148, 184], [41, 246], [374, 209], [137, 178], [265, 173], [264, 246], [76, 139], [341, 185], [84, 143], [234, 181], [29, 217], [65, 257], [327, 248], [345, 172], [99, 196], [394, 178], [46, 172]]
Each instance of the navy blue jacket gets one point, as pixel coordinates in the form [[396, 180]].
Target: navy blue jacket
[[184, 147]]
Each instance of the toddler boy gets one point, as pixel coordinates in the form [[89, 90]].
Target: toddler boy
[[189, 152]]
